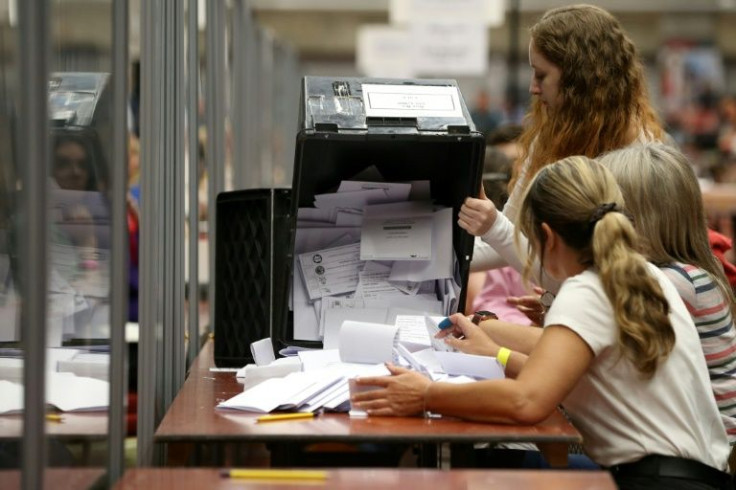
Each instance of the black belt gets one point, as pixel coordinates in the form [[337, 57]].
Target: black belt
[[673, 467]]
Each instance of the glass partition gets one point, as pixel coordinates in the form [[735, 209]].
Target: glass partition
[[80, 230], [11, 362]]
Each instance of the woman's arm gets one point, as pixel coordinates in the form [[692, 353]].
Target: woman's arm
[[485, 339], [485, 257], [543, 383], [472, 339], [521, 338], [480, 217]]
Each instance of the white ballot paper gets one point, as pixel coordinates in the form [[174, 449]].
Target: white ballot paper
[[432, 323], [331, 271], [397, 231], [441, 263], [394, 191], [368, 343], [262, 352], [350, 200], [478, 367]]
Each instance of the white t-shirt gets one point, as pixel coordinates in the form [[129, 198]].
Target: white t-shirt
[[623, 417]]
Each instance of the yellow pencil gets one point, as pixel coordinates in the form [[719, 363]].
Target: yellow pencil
[[275, 474], [53, 417], [285, 416]]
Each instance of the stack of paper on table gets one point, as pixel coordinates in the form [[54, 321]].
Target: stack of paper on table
[[88, 364], [64, 391], [363, 349], [366, 249]]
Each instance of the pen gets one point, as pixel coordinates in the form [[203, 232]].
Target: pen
[[275, 474], [285, 416], [53, 417], [446, 323]]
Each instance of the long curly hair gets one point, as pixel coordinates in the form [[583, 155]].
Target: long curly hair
[[604, 102]]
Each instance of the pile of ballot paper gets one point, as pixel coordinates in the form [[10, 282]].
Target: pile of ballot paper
[[371, 251], [320, 379]]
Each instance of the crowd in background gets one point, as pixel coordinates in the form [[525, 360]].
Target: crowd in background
[[705, 130]]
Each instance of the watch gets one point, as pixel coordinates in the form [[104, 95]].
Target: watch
[[546, 299], [483, 315]]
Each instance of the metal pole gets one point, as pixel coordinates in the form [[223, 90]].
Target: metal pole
[[147, 372], [119, 270], [215, 111], [33, 248], [239, 89], [512, 88], [167, 193], [292, 113], [265, 92], [176, 240], [252, 154], [193, 150]]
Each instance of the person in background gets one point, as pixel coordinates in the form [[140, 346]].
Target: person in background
[[674, 236], [489, 290], [484, 117], [589, 97], [633, 378], [133, 219], [72, 168]]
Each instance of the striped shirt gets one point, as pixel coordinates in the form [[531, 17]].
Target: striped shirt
[[711, 313]]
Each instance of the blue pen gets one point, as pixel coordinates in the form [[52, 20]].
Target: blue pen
[[446, 323]]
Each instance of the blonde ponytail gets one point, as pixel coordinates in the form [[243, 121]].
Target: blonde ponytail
[[641, 311], [579, 199]]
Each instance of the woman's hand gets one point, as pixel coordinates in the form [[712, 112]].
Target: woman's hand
[[468, 337], [401, 394], [530, 305], [477, 215]]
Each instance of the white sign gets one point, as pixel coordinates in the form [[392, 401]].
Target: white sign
[[449, 49], [489, 13], [411, 101], [384, 51]]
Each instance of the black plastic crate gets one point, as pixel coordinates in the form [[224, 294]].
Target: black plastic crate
[[252, 236]]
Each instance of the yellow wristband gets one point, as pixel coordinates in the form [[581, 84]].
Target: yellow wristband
[[503, 356]]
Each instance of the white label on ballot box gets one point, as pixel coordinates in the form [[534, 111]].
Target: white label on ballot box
[[411, 101]]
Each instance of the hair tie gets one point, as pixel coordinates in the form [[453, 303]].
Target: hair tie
[[601, 211]]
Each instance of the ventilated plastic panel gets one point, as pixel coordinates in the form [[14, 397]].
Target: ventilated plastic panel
[[252, 229]]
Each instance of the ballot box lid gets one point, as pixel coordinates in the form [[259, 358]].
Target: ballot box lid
[[403, 105]]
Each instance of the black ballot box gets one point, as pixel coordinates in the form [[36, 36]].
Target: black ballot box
[[252, 237], [402, 131]]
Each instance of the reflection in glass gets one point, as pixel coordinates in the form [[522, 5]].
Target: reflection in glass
[[11, 361], [79, 282]]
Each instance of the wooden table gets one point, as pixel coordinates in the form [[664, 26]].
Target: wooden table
[[83, 429], [56, 478], [373, 479], [192, 418], [74, 427]]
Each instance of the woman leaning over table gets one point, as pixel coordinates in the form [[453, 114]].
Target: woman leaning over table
[[589, 97], [663, 195], [632, 376]]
